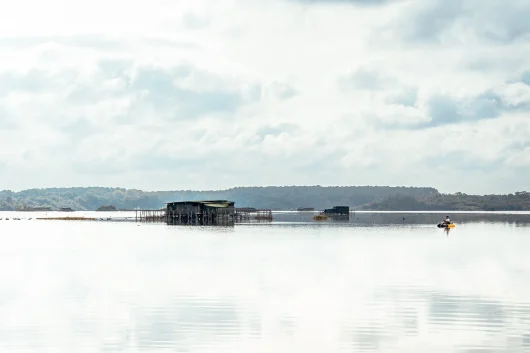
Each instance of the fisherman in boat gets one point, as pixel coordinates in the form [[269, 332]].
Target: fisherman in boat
[[446, 220]]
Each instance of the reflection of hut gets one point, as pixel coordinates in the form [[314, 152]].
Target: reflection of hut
[[200, 212]]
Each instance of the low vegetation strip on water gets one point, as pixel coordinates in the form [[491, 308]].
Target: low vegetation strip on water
[[67, 218]]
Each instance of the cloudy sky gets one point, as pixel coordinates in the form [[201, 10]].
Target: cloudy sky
[[200, 94]]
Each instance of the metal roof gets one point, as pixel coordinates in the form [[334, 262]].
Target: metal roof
[[209, 203]]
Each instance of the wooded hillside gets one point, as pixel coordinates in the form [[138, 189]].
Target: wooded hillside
[[271, 197]]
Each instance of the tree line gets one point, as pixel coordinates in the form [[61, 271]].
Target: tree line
[[518, 201], [269, 197]]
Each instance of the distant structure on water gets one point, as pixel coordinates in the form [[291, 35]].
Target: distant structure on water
[[200, 212], [212, 212], [338, 212], [205, 212], [306, 209]]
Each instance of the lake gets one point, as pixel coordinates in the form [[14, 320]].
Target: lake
[[381, 282]]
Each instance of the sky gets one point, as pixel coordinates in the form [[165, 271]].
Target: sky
[[170, 95]]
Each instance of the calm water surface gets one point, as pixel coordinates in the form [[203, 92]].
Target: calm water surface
[[283, 287]]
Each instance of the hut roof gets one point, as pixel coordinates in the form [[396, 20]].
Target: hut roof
[[209, 203]]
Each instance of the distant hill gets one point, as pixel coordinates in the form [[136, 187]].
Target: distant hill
[[269, 197], [519, 201]]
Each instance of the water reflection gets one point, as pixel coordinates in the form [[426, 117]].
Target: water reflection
[[187, 323], [291, 287], [411, 218], [400, 316]]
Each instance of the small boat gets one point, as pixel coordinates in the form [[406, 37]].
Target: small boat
[[445, 225]]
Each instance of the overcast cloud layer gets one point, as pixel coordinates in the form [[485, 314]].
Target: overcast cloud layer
[[202, 94]]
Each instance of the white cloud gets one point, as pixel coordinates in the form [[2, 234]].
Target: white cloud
[[213, 94]]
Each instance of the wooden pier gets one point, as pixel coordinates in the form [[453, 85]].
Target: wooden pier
[[252, 214], [215, 212], [150, 215]]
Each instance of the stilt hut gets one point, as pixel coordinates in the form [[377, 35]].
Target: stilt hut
[[200, 212]]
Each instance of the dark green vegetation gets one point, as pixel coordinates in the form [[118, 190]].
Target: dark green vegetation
[[275, 198], [107, 208], [520, 201]]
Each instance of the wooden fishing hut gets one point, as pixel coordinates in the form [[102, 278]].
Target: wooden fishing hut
[[200, 212], [338, 212]]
